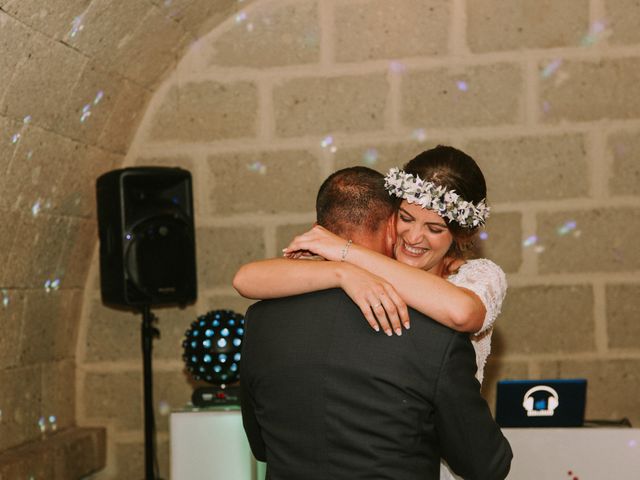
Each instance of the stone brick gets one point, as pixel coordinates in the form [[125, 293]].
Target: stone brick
[[625, 173], [35, 258], [7, 237], [592, 90], [613, 385], [15, 40], [473, 96], [499, 25], [286, 233], [82, 452], [262, 182], [367, 30], [499, 369], [201, 16], [106, 28], [43, 83], [271, 36], [381, 157], [90, 104], [125, 117], [34, 177], [172, 323], [113, 334], [78, 186], [9, 143], [180, 161], [145, 54], [31, 465], [68, 317], [49, 328], [221, 251], [229, 302], [53, 18], [502, 241], [114, 397], [622, 21], [623, 316], [172, 390], [324, 105], [77, 252], [20, 405], [59, 392], [129, 459], [206, 111], [11, 312], [547, 319], [517, 169], [599, 240], [73, 453]]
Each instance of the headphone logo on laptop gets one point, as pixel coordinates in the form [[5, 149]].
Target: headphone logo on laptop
[[544, 405]]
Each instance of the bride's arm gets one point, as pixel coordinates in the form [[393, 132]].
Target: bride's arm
[[280, 277], [453, 306]]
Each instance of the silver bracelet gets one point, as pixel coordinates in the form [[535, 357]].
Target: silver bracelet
[[345, 250]]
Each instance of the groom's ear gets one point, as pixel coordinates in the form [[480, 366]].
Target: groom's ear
[[391, 235]]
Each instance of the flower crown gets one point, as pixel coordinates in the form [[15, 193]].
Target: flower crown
[[446, 203]]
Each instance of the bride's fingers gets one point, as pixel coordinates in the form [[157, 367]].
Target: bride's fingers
[[381, 315], [399, 305], [391, 312], [365, 308]]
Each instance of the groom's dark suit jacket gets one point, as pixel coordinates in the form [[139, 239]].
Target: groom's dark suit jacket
[[324, 397]]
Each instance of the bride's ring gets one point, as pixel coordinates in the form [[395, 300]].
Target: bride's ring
[[376, 305]]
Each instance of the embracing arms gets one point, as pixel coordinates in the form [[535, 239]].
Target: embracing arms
[[282, 277], [453, 306], [371, 279]]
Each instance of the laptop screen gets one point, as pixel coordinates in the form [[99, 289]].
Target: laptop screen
[[541, 403]]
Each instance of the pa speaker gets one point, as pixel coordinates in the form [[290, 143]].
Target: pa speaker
[[147, 237]]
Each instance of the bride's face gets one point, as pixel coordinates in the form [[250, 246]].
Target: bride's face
[[423, 237]]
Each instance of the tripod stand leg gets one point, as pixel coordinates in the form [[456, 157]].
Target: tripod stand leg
[[147, 333]]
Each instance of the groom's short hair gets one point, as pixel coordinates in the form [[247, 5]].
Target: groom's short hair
[[354, 198]]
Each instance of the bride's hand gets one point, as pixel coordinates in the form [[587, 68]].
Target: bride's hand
[[319, 241], [376, 298]]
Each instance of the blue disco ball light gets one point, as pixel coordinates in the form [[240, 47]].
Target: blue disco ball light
[[212, 347]]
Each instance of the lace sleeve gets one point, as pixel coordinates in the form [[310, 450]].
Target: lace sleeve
[[488, 281]]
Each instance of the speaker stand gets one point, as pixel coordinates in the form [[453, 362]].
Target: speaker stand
[[149, 332]]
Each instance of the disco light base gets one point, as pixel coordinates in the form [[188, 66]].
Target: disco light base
[[215, 396]]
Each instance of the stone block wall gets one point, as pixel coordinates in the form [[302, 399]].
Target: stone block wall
[[542, 93], [75, 78]]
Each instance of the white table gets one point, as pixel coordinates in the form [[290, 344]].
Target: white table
[[210, 444], [588, 453]]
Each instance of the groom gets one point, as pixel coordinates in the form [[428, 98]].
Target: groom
[[324, 397]]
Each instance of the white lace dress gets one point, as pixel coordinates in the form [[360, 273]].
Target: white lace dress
[[487, 280]]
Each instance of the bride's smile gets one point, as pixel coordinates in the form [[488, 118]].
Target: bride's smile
[[423, 237]]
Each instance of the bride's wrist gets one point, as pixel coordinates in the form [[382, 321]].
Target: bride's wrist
[[342, 270]]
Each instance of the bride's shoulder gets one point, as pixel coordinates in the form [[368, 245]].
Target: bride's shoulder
[[480, 265]]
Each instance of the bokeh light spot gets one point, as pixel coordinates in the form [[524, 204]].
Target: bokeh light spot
[[370, 156], [419, 134], [529, 241], [257, 167], [551, 68]]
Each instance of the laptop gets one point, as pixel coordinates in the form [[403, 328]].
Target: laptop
[[541, 403]]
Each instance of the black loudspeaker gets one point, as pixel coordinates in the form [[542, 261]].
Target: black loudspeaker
[[147, 237]]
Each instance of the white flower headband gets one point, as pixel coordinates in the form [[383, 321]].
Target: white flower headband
[[446, 203]]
